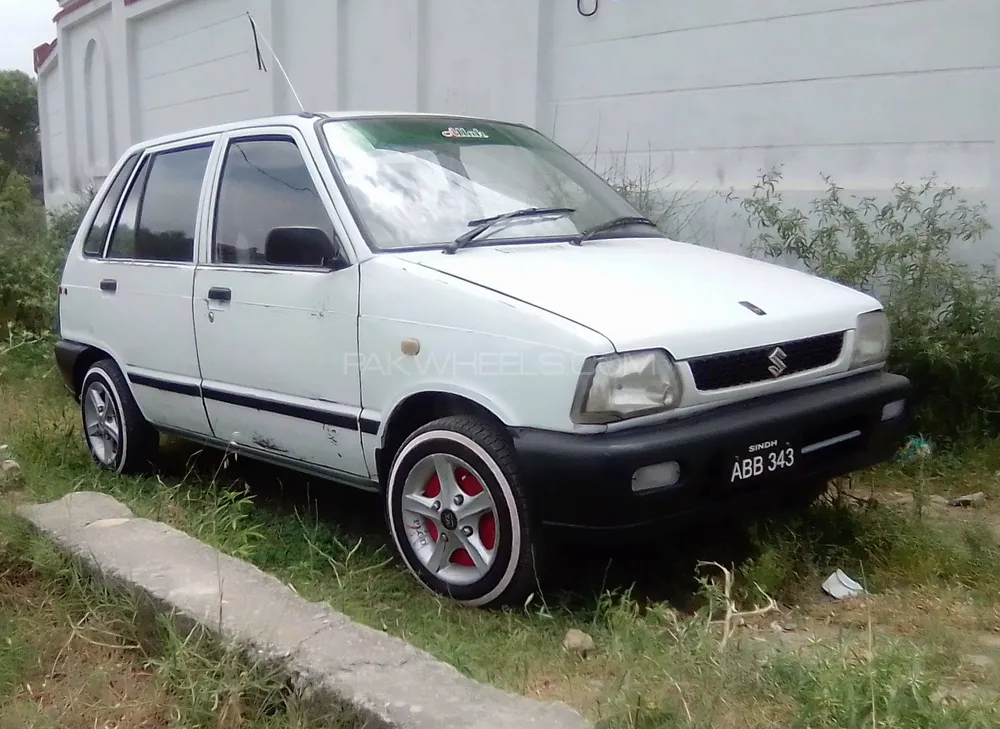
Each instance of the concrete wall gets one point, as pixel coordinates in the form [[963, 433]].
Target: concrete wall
[[52, 117], [194, 65], [872, 92]]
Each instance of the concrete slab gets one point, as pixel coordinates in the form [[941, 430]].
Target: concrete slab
[[337, 660]]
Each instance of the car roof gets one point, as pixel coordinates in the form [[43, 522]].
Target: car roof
[[300, 121]]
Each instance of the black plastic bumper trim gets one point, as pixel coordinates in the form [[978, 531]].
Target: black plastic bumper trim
[[67, 354], [584, 481]]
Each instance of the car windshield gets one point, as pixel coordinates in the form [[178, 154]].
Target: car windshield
[[418, 182]]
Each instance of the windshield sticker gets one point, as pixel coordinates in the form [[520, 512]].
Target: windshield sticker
[[463, 133], [409, 133]]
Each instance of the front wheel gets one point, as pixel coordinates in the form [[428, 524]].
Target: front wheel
[[458, 514]]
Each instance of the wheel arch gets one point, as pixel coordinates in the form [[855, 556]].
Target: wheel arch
[[418, 409], [87, 359]]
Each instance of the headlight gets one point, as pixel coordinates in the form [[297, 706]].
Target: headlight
[[871, 340], [619, 386]]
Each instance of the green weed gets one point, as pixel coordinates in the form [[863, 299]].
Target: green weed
[[945, 314]]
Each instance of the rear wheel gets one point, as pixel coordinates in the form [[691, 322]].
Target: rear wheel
[[117, 435], [458, 514]]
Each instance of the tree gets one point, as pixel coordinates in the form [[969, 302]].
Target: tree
[[19, 146]]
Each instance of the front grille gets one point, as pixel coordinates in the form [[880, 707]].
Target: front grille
[[732, 369]]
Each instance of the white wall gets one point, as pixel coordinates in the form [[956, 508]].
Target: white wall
[[194, 65], [459, 56], [84, 53], [52, 117], [872, 92]]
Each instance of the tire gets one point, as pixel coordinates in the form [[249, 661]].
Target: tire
[[105, 395], [439, 550]]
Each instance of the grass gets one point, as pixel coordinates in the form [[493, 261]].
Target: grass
[[901, 658], [75, 654]]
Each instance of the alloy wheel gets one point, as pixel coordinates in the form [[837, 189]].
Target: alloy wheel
[[102, 424], [450, 519]]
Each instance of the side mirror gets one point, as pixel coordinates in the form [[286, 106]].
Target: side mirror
[[300, 246]]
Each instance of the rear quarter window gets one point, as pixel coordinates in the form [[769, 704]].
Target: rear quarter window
[[159, 217], [93, 245]]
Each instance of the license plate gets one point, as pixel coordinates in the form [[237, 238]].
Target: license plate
[[762, 460]]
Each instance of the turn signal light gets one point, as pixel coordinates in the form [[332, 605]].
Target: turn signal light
[[657, 476]]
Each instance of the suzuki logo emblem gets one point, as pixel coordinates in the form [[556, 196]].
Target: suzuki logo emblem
[[777, 360]]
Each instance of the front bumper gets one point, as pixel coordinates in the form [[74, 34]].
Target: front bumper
[[584, 482]]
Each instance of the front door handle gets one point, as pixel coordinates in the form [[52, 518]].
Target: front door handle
[[220, 294], [109, 285]]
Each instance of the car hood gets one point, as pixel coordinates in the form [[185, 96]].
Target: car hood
[[649, 292]]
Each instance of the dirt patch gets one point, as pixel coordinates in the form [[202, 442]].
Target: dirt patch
[[69, 674]]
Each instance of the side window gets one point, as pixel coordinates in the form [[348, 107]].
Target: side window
[[122, 243], [159, 216], [94, 243], [265, 185]]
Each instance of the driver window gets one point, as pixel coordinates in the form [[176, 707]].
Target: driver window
[[265, 185]]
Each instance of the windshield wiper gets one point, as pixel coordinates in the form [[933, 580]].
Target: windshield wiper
[[484, 224], [621, 222]]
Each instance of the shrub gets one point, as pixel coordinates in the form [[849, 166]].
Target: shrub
[[675, 211], [63, 223], [945, 314], [30, 260]]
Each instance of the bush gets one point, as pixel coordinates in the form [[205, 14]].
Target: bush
[[30, 260], [945, 314], [675, 211], [63, 224]]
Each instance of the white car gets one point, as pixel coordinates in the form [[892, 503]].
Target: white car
[[458, 314]]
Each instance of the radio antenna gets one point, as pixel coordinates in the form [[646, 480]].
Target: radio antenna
[[257, 37]]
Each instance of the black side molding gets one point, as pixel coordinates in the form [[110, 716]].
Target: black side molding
[[179, 388], [279, 407]]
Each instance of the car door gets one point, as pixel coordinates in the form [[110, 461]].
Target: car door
[[143, 311], [278, 342]]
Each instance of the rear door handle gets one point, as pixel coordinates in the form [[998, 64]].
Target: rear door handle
[[220, 294], [109, 285]]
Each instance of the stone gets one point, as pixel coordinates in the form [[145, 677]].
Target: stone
[[576, 641], [331, 659], [938, 500], [975, 501], [10, 474]]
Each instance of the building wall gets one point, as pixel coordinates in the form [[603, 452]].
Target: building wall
[[52, 118], [872, 92], [194, 65], [476, 57], [86, 61]]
